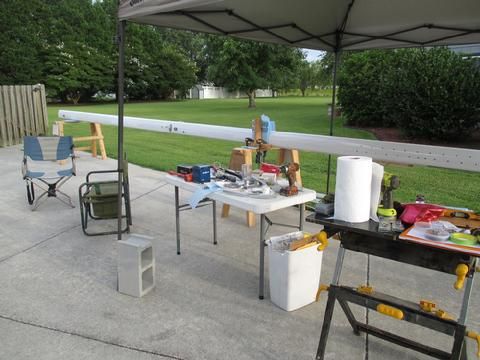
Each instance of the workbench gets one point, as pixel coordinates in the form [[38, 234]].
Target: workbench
[[260, 206], [365, 238]]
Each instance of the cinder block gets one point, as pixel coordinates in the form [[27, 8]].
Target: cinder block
[[136, 265]]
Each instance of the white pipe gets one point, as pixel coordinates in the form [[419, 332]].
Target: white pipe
[[452, 158]]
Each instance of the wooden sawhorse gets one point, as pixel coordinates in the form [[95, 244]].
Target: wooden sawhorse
[[95, 135]]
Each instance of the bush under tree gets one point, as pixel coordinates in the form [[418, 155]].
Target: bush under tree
[[427, 93]]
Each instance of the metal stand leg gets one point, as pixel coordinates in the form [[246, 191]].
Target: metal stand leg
[[327, 319], [462, 320], [458, 343], [338, 265], [262, 256], [214, 206], [177, 219]]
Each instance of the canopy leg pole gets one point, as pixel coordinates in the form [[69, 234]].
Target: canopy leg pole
[[120, 94], [332, 115]]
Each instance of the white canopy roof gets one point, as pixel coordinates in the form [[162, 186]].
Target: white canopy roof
[[319, 24]]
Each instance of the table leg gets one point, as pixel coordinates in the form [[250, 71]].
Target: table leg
[[262, 256], [302, 217], [214, 206], [177, 219]]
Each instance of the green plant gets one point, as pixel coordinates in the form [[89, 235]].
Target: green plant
[[437, 94], [363, 88], [427, 93]]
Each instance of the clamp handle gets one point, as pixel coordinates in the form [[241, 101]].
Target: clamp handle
[[322, 238], [475, 336], [461, 272]]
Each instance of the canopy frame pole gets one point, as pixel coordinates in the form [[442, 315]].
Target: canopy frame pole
[[332, 114], [120, 98], [338, 49]]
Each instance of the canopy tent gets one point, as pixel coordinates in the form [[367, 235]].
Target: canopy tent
[[319, 24], [331, 25]]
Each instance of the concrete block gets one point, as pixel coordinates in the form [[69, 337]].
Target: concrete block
[[136, 265]]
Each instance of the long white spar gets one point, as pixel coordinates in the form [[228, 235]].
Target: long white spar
[[452, 158]]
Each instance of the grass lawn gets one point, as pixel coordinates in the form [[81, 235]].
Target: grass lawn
[[296, 114]]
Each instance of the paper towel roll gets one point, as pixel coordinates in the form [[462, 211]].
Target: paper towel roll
[[353, 188]]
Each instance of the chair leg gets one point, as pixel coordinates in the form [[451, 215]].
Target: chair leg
[[52, 190]]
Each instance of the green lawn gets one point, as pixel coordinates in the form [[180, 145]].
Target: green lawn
[[304, 115]]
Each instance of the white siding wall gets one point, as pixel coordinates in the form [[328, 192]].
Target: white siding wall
[[216, 92]]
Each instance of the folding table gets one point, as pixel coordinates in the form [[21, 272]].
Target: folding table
[[259, 206]]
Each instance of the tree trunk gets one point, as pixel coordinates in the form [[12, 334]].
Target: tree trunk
[[303, 92], [251, 99]]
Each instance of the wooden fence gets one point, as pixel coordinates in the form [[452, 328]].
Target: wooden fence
[[23, 111]]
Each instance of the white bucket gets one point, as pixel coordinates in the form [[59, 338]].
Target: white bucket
[[294, 275]]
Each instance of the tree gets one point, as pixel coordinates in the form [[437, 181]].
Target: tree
[[246, 65], [153, 68], [21, 41], [305, 76]]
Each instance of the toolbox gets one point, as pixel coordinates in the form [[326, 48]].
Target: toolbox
[[184, 169], [201, 173]]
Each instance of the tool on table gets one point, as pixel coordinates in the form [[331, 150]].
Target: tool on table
[[186, 177], [464, 239], [289, 171], [390, 182], [326, 206], [201, 173], [462, 218]]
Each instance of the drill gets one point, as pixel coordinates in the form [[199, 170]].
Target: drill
[[289, 171], [390, 182]]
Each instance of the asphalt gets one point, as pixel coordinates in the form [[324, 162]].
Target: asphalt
[[58, 297]]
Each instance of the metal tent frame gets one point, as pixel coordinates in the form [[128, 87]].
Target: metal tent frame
[[202, 16]]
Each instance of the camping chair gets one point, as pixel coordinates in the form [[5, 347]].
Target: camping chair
[[44, 149], [99, 199]]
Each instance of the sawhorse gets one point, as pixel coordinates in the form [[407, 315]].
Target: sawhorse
[[366, 238], [95, 135]]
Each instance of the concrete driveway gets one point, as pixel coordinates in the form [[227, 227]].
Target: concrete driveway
[[58, 297]]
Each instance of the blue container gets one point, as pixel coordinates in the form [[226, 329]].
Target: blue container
[[201, 173]]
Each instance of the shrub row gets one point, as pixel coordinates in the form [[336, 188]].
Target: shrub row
[[427, 93]]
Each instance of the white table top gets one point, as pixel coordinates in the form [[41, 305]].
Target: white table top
[[256, 205]]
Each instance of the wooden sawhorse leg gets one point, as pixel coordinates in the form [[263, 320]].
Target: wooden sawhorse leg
[[239, 157]]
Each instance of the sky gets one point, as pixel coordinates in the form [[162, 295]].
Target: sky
[[313, 55]]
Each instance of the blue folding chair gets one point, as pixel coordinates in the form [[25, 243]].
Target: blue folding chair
[[50, 152]]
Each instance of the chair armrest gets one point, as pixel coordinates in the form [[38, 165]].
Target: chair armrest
[[99, 172]]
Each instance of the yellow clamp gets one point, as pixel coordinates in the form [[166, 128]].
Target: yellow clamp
[[322, 239], [390, 311], [427, 306], [442, 314], [475, 336], [461, 271], [365, 289], [321, 288]]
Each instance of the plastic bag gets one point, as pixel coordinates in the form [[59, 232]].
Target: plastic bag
[[413, 213]]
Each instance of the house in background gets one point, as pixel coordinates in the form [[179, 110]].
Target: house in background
[[217, 92]]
